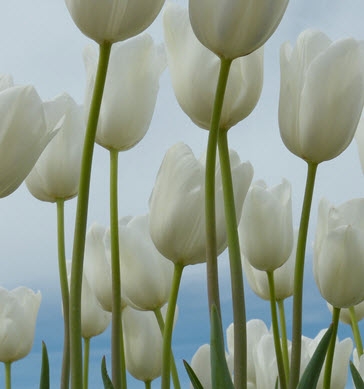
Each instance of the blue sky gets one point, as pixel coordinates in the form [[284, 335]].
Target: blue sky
[[45, 49]]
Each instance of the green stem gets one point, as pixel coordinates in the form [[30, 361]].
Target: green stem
[[86, 361], [148, 384], [174, 371], [81, 219], [168, 328], [331, 349], [236, 272], [117, 348], [356, 332], [298, 277], [211, 249], [282, 321], [276, 336], [62, 269], [7, 375]]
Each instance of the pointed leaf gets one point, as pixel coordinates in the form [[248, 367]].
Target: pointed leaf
[[193, 377], [105, 377], [358, 381], [220, 374], [44, 374], [312, 372]]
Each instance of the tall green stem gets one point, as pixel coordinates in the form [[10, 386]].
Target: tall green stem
[[81, 219], [211, 250], [276, 336], [7, 375], [174, 371], [117, 342], [86, 361], [236, 272], [282, 321], [331, 349], [298, 277], [356, 332], [168, 327], [148, 384], [62, 270]]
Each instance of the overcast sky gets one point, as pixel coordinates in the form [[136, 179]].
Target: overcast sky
[[41, 46]]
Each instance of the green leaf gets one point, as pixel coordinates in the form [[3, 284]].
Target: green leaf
[[358, 381], [105, 377], [44, 373], [312, 372], [193, 377], [220, 374]]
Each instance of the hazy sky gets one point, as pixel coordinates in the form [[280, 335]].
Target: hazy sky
[[41, 46]]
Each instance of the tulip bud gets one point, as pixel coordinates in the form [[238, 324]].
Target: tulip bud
[[113, 20], [146, 276], [345, 316], [177, 205], [130, 92], [23, 135], [265, 229], [232, 29], [339, 253], [18, 314], [321, 95], [57, 172], [194, 72]]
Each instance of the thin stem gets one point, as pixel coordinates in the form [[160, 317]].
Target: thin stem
[[331, 349], [276, 336], [282, 322], [236, 272], [148, 384], [356, 332], [211, 250], [168, 327], [7, 375], [174, 371], [63, 280], [298, 277], [81, 219], [86, 361], [118, 370]]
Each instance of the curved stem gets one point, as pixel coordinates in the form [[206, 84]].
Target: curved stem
[[356, 331], [331, 349], [282, 321], [168, 327], [174, 371], [63, 280], [298, 277], [211, 250], [7, 375], [276, 336], [117, 349], [86, 361], [81, 219], [236, 272]]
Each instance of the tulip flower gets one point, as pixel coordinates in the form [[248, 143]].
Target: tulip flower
[[18, 314], [97, 265], [194, 71], [265, 229], [359, 137], [143, 344], [130, 93], [177, 205], [6, 81], [56, 174], [321, 95], [233, 29], [23, 134], [146, 276], [345, 313], [115, 20], [283, 278], [339, 253]]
